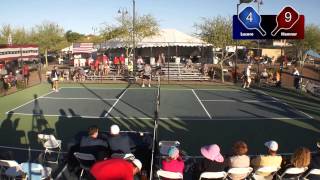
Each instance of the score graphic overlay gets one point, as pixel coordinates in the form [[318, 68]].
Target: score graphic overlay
[[288, 24]]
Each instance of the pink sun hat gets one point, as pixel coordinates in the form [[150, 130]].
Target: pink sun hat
[[212, 152]]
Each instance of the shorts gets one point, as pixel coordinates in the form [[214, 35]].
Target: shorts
[[146, 77], [54, 79]]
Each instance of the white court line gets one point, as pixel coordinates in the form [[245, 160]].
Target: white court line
[[115, 103], [207, 119], [30, 101], [61, 98], [201, 104], [59, 115]]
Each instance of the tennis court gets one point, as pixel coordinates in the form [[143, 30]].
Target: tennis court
[[194, 116]]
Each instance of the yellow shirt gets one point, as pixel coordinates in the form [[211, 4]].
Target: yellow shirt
[[266, 160]]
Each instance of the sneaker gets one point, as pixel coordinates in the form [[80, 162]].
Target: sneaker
[[149, 85], [56, 90], [53, 89], [142, 85]]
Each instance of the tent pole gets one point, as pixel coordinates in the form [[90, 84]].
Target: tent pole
[[168, 63]]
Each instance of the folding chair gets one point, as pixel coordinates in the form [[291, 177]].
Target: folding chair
[[294, 173], [265, 173], [165, 145], [239, 172], [312, 172], [85, 161], [11, 169], [169, 175], [51, 144], [36, 171], [213, 175]]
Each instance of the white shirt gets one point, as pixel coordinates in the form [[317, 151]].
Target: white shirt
[[296, 73]]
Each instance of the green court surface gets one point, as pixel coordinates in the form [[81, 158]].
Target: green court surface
[[195, 115]]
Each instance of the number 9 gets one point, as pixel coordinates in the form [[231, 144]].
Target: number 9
[[287, 16]]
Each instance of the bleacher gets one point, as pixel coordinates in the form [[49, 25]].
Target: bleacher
[[178, 72]]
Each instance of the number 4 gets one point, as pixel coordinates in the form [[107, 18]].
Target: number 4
[[249, 17]]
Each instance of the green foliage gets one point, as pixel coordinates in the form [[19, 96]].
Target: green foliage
[[73, 36], [145, 26]]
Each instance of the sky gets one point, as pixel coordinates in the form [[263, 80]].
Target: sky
[[85, 16]]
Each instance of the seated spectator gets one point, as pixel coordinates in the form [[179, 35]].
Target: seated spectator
[[300, 159], [119, 143], [315, 161], [213, 160], [240, 159], [91, 144], [270, 160], [173, 162], [116, 169], [146, 75]]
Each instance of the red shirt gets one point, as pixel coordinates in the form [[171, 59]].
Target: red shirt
[[112, 169], [122, 59], [116, 60], [25, 70], [173, 166], [105, 59]]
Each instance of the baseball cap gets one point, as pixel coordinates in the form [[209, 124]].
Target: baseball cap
[[272, 145], [137, 163], [114, 129]]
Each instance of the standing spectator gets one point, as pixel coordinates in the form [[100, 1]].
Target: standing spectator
[[55, 78], [122, 60], [270, 160], [116, 62], [140, 64], [93, 145], [130, 69], [26, 73], [119, 143], [12, 79], [300, 159], [174, 162], [240, 159], [146, 75], [2, 92], [296, 80], [116, 169], [213, 160]]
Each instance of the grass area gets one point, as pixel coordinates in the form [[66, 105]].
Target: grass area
[[290, 133]]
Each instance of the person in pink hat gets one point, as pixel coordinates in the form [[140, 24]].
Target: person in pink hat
[[213, 160]]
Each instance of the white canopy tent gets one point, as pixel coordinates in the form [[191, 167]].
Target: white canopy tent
[[165, 38]]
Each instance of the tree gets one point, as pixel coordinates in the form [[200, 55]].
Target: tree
[[5, 31], [218, 32], [73, 36], [50, 37], [145, 26]]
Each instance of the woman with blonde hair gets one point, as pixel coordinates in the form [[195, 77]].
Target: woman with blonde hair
[[300, 159]]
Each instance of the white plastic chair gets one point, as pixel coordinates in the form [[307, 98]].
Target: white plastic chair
[[297, 172], [315, 172], [169, 175], [51, 144], [243, 172], [213, 175], [269, 170], [10, 168], [85, 161], [165, 145]]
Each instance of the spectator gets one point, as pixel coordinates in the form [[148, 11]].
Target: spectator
[[189, 64], [271, 159], [146, 75], [140, 64], [296, 80], [91, 144], [213, 160], [122, 60], [173, 162], [130, 69], [116, 169], [2, 92], [315, 161], [26, 73], [116, 62], [12, 79], [240, 159], [55, 78], [119, 143], [300, 159]]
